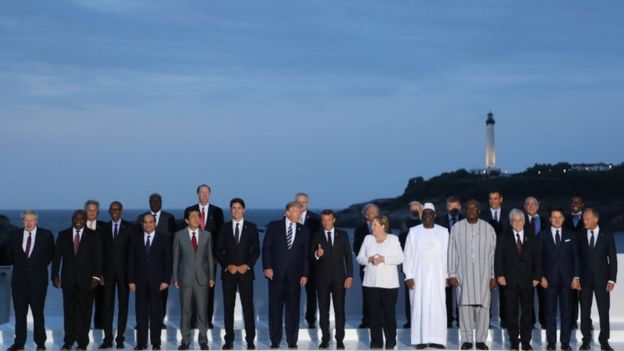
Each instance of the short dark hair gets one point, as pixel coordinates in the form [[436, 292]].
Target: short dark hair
[[556, 209], [328, 212], [79, 212], [237, 200], [116, 203], [187, 213], [453, 199], [155, 196], [474, 201], [202, 186]]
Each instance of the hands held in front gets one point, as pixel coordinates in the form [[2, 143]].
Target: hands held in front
[[454, 282], [377, 259], [233, 269]]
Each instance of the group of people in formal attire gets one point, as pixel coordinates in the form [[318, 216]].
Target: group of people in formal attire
[[451, 264]]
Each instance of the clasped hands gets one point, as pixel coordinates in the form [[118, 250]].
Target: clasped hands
[[376, 259]]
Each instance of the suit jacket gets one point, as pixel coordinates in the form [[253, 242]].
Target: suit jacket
[[246, 251], [214, 219], [529, 228], [312, 222], [287, 264], [518, 270], [190, 267], [446, 223], [599, 265], [405, 227], [166, 224], [569, 224], [151, 269], [503, 219], [560, 262], [116, 250], [337, 262], [30, 272], [359, 234], [81, 268]]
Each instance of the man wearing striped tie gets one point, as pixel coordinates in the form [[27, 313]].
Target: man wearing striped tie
[[283, 259]]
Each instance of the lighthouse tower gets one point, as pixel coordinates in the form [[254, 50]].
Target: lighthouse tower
[[490, 152]]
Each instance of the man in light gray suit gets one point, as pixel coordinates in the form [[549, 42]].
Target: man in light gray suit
[[193, 265]]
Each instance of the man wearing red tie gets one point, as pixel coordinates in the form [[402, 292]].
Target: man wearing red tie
[[193, 264], [211, 221], [30, 251]]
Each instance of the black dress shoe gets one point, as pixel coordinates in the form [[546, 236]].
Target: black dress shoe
[[466, 346], [585, 346], [421, 346], [204, 346], [183, 347], [227, 346], [514, 347], [210, 325], [66, 347], [390, 346], [575, 325], [324, 345], [363, 325], [275, 346], [437, 346], [566, 348], [527, 347], [41, 348], [407, 325], [551, 347], [15, 348], [481, 346], [120, 345], [606, 347], [292, 346], [106, 345], [81, 347], [155, 347], [311, 326], [340, 345], [251, 346], [139, 347]]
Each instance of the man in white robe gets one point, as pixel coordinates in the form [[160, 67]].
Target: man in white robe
[[425, 269]]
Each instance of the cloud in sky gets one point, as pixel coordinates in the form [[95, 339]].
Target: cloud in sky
[[261, 100]]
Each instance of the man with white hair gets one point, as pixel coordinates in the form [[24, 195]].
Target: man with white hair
[[425, 269]]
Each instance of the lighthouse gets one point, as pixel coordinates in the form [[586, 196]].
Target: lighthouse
[[490, 152]]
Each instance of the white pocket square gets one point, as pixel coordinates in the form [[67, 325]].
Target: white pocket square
[[568, 240]]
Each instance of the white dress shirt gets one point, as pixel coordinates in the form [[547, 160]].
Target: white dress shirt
[[333, 237], [496, 213], [32, 240], [151, 237], [521, 233], [596, 231], [240, 228], [554, 231], [156, 216]]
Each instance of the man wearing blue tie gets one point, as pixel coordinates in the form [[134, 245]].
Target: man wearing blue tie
[[284, 251]]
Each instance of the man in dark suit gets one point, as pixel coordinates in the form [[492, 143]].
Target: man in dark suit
[[574, 223], [30, 250], [369, 211], [598, 259], [412, 220], [534, 224], [518, 263], [211, 221], [331, 254], [238, 249], [165, 225], [498, 217], [149, 273], [560, 276], [92, 209], [79, 250], [284, 253], [453, 215], [312, 221], [193, 264], [115, 241]]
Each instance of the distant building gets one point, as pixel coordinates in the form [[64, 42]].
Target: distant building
[[490, 149], [591, 167]]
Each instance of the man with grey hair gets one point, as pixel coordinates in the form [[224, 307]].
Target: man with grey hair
[[370, 211], [472, 246], [29, 282], [534, 223], [284, 250], [92, 208]]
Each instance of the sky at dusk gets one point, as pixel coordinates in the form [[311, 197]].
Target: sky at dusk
[[116, 99]]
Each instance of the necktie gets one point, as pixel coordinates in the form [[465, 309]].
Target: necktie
[[329, 239], [453, 220], [369, 228], [289, 236], [557, 238], [147, 244], [155, 218], [194, 242], [575, 219], [237, 233], [115, 231], [76, 242], [28, 244], [591, 240], [496, 216], [203, 222], [518, 244], [535, 224]]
